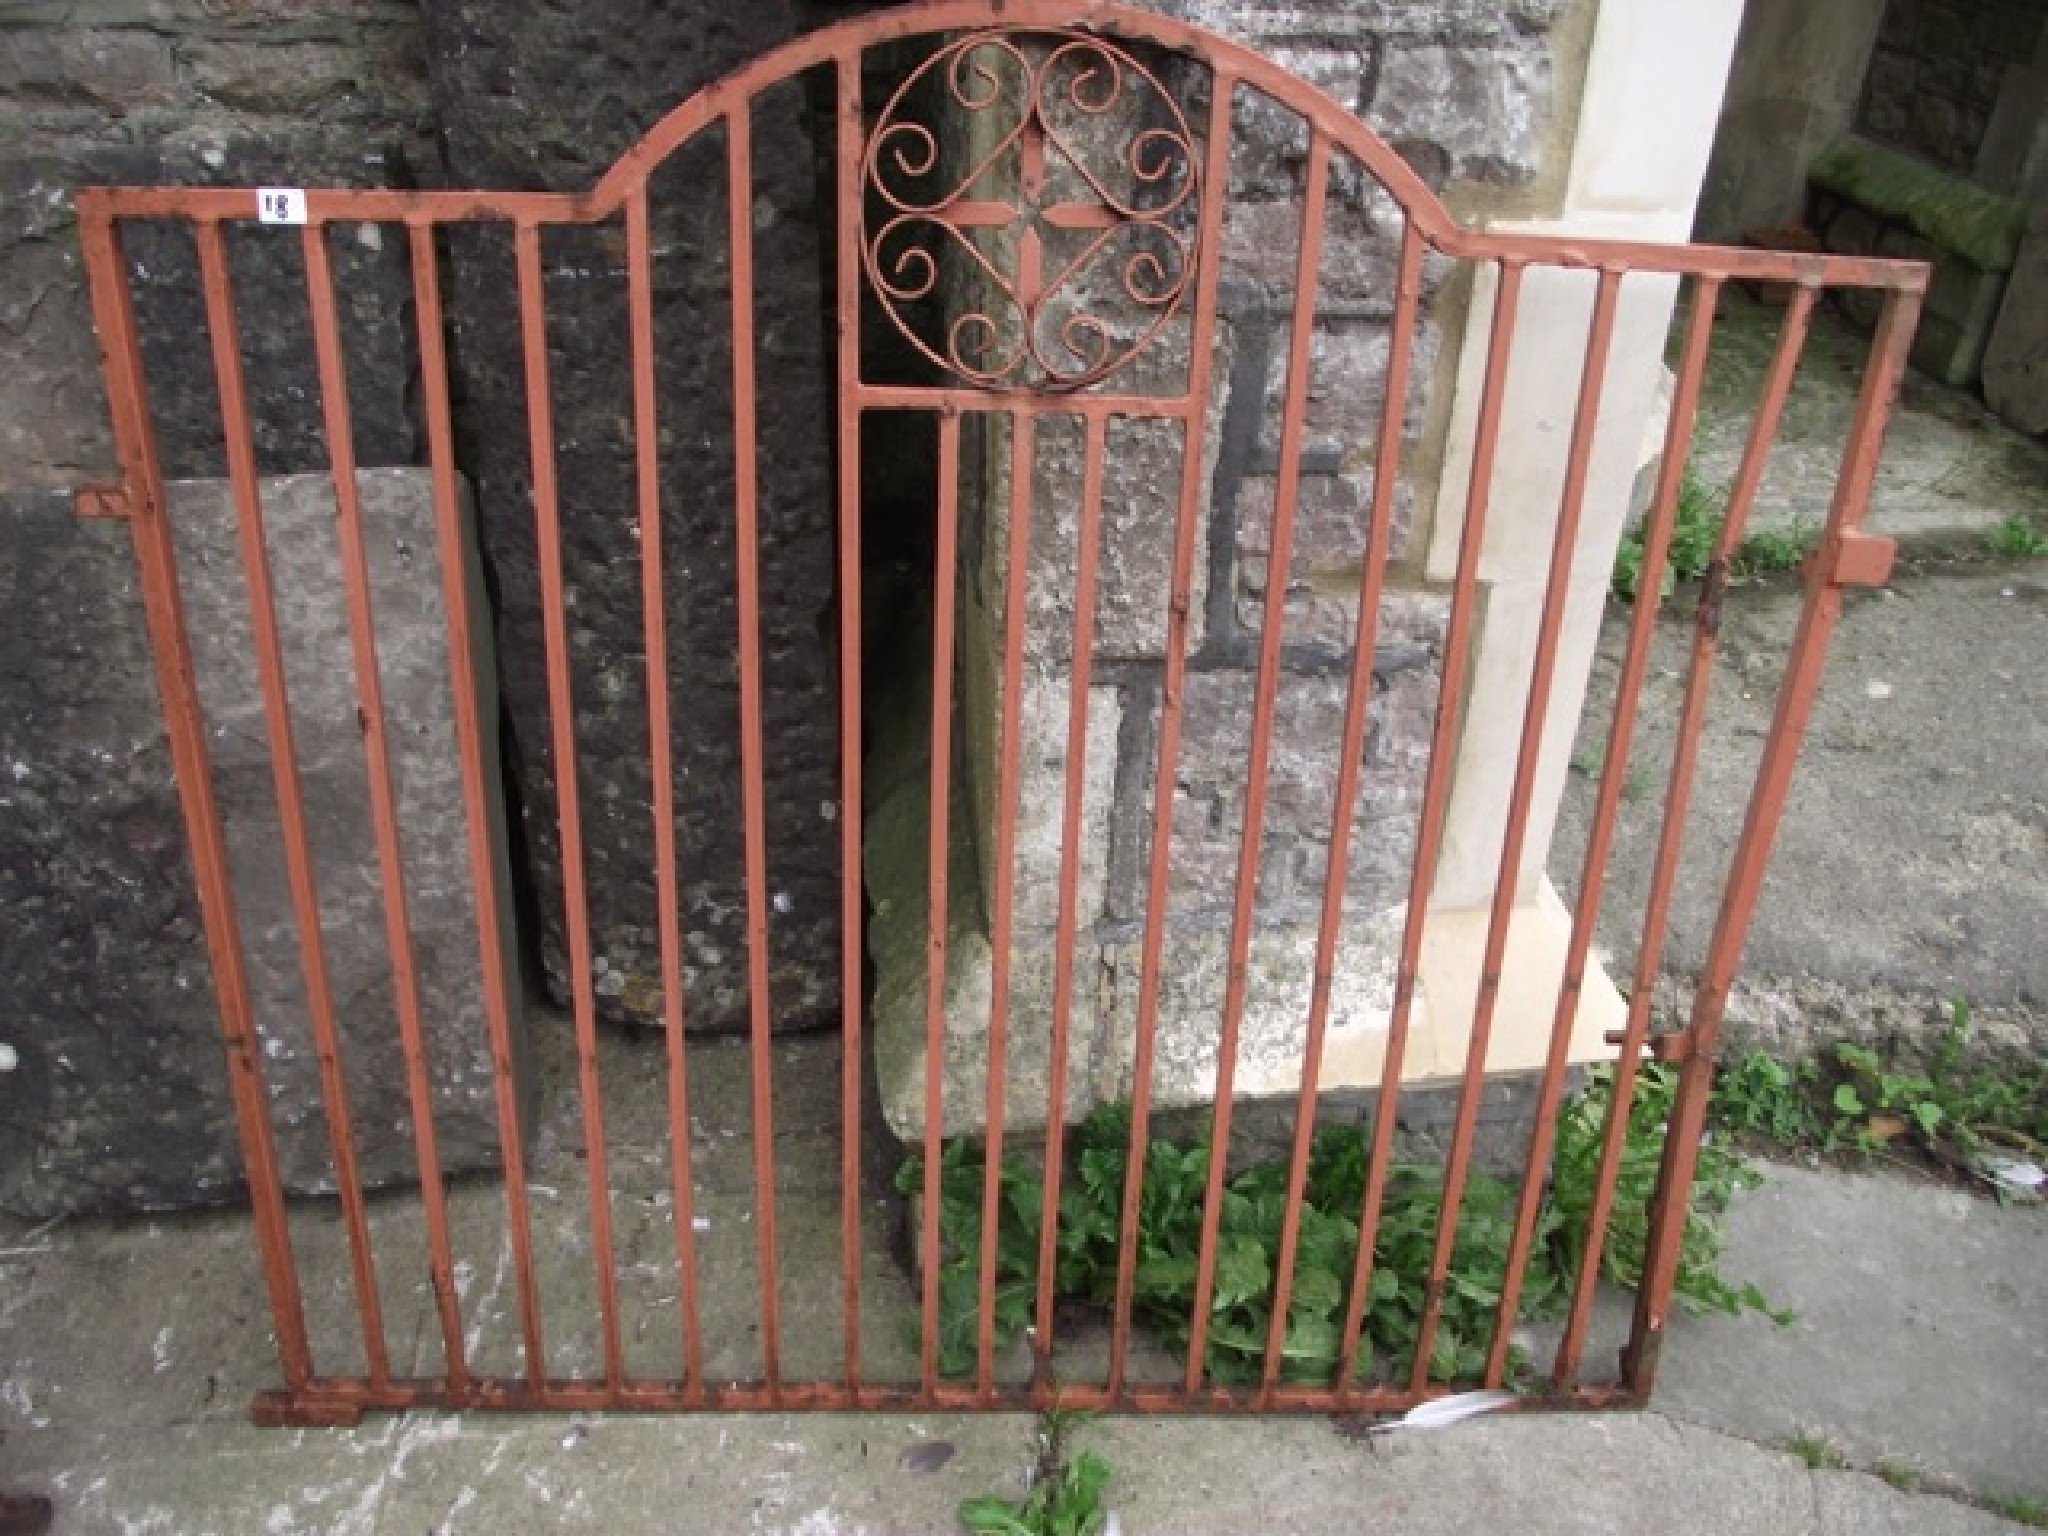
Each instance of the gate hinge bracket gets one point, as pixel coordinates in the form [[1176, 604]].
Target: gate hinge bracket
[[1856, 559], [102, 498]]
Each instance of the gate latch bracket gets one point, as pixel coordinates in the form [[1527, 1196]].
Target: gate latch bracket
[[1673, 1045], [1856, 559], [102, 498]]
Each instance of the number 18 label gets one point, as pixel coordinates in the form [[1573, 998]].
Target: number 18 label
[[281, 205]]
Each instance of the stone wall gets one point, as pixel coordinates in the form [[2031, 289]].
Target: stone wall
[[357, 92], [1952, 142], [1798, 76], [117, 1097], [1476, 96], [299, 92], [1938, 72], [1466, 94]]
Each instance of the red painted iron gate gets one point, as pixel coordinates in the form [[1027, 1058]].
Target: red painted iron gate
[[1025, 339]]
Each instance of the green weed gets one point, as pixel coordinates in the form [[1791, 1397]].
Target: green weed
[[1253, 1205], [1901, 1475], [1695, 534], [1760, 1096], [1775, 549], [1065, 1498], [2015, 538], [1816, 1451], [1858, 1100], [2018, 1507], [1695, 527], [1590, 765], [1069, 1503]]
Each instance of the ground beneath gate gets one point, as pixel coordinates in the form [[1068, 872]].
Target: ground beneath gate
[[1917, 1354]]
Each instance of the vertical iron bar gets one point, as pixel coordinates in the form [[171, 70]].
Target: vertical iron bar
[[740, 226], [937, 848], [452, 536], [1350, 755], [113, 308], [362, 629], [1436, 789], [852, 893], [540, 430], [1086, 559], [1586, 419], [300, 876], [1671, 838], [1657, 526], [1888, 351], [1251, 841], [1017, 600], [654, 629], [1214, 189], [268, 648]]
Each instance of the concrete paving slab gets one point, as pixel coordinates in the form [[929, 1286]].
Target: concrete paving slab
[[1918, 1338], [1951, 469], [1913, 855], [1917, 1344], [1534, 1475], [1852, 1504], [833, 1475]]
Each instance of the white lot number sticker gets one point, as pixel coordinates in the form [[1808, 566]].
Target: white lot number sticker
[[281, 205]]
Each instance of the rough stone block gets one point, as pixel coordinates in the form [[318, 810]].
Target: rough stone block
[[113, 71], [1041, 802], [121, 1100], [1327, 565], [2016, 358], [1280, 970], [1332, 516], [1480, 106], [1139, 519], [901, 1054], [1300, 790], [413, 658], [1347, 385], [1268, 21]]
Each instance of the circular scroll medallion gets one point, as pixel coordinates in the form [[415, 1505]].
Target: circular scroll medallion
[[1029, 209]]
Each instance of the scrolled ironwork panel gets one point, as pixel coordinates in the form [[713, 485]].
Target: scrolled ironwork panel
[[1062, 235]]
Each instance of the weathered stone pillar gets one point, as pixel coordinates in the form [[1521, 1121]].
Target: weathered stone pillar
[[548, 97]]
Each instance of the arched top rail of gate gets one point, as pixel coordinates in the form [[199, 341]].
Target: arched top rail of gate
[[841, 46]]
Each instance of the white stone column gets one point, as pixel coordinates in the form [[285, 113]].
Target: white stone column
[[1645, 132]]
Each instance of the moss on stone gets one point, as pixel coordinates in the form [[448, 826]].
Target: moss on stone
[[1957, 216]]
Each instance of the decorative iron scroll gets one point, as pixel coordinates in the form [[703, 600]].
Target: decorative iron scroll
[[1052, 243]]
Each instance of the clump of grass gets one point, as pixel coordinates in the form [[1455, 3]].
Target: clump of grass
[[1902, 1475], [1775, 549], [2018, 1507], [1696, 534], [1817, 1451], [2015, 538], [1254, 1204]]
